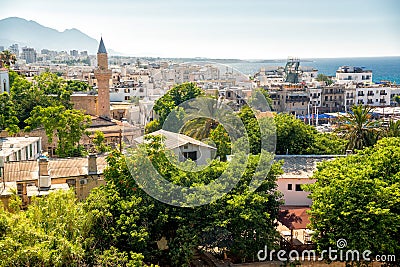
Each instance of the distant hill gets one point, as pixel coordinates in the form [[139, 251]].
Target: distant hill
[[32, 34]]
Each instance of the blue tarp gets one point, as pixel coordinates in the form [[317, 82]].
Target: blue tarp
[[313, 116]]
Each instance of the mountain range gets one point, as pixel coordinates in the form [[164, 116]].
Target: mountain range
[[32, 34]]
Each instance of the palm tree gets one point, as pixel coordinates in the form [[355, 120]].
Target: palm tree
[[397, 99], [201, 127], [6, 58], [359, 128], [393, 130]]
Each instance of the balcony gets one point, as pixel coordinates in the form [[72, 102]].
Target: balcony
[[361, 94], [383, 93]]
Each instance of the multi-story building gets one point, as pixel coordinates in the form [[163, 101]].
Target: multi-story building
[[376, 96], [14, 49], [346, 74], [28, 54], [74, 53], [315, 96], [350, 97], [332, 99], [290, 99]]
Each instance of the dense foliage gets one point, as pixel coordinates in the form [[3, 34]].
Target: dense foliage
[[130, 220], [295, 137], [359, 127], [358, 198], [45, 102], [66, 125], [169, 101]]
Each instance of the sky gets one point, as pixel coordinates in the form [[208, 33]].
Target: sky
[[245, 29]]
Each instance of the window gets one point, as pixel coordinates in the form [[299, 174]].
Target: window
[[290, 187], [298, 187], [185, 146], [190, 155], [71, 182]]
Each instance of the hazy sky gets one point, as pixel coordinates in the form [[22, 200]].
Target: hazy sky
[[249, 29]]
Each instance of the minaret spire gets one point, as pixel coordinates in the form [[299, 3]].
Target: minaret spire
[[103, 76]]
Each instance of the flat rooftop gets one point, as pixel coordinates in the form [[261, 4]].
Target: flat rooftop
[[11, 144]]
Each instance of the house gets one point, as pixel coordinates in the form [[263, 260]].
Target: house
[[42, 176], [298, 170], [184, 147]]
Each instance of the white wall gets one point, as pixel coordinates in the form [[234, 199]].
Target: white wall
[[293, 197], [4, 81], [203, 153]]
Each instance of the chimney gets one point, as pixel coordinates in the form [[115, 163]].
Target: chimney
[[92, 164], [43, 167], [44, 177]]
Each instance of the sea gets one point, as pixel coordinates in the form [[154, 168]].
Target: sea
[[383, 68]]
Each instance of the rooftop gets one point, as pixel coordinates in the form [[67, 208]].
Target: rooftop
[[302, 166], [11, 144], [174, 140], [57, 168]]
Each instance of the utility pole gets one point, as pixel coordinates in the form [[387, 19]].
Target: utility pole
[[120, 140]]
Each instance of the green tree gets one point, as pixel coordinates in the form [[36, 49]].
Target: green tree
[[359, 128], [327, 144], [393, 129], [222, 140], [8, 118], [99, 142], [48, 233], [66, 125], [125, 217], [358, 198], [323, 78], [293, 136], [27, 96], [77, 86], [174, 97], [397, 99], [7, 58], [252, 126], [152, 126], [261, 100]]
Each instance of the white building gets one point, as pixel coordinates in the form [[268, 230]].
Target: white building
[[346, 74], [298, 170], [374, 96], [20, 148], [4, 81], [185, 147]]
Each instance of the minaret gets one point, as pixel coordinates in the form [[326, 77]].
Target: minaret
[[103, 76]]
